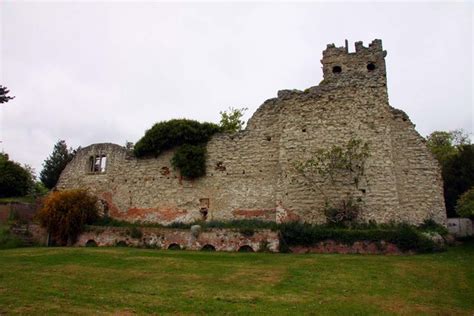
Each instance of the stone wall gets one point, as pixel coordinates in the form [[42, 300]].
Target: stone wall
[[461, 227], [251, 174], [169, 238], [358, 247], [23, 212]]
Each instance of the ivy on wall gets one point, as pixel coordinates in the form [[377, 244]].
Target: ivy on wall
[[188, 136], [337, 165]]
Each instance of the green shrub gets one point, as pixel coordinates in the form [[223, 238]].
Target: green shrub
[[136, 233], [190, 160], [465, 204], [344, 214], [189, 136], [247, 232], [121, 243], [64, 214], [8, 240], [14, 179], [253, 224], [406, 237], [173, 133], [231, 119], [179, 225], [429, 225], [264, 246]]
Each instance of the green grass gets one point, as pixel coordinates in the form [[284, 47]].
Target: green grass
[[127, 280], [20, 199], [7, 240]]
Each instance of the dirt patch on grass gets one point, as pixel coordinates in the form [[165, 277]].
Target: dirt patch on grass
[[256, 276], [398, 305]]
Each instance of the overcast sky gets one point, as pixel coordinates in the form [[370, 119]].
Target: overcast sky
[[91, 72]]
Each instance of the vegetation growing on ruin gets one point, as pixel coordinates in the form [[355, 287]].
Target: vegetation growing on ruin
[[406, 237], [7, 239], [173, 133], [188, 136], [231, 120], [335, 165], [190, 160]]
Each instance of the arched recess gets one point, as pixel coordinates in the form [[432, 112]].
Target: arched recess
[[91, 243], [174, 246], [208, 247], [246, 248]]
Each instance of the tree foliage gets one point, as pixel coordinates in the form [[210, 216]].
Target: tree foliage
[[3, 95], [173, 133], [465, 204], [455, 155], [189, 136], [65, 213], [346, 163], [337, 165], [231, 120], [458, 176], [55, 164], [190, 160], [444, 145], [14, 179]]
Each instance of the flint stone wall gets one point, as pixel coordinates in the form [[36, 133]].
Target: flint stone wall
[[162, 238], [358, 247], [252, 175]]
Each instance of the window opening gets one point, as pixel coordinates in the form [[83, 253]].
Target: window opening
[[97, 164]]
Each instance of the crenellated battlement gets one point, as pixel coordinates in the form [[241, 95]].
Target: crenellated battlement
[[366, 63]]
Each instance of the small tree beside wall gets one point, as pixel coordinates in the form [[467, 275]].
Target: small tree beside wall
[[65, 213], [335, 168]]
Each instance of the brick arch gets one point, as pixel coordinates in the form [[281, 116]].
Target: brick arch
[[208, 247], [246, 248]]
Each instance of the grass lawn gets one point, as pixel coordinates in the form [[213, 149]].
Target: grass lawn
[[20, 199], [126, 281]]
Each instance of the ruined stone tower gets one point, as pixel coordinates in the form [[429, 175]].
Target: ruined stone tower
[[251, 174]]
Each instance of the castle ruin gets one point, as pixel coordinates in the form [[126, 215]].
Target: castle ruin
[[251, 174]]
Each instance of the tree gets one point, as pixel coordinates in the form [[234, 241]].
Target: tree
[[328, 169], [14, 179], [231, 119], [465, 203], [458, 176], [455, 155], [4, 98], [444, 145], [55, 164], [65, 213]]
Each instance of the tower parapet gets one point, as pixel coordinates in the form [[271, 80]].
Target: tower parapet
[[366, 63]]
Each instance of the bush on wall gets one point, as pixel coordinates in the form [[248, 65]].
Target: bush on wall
[[190, 160], [406, 237], [65, 213], [173, 133], [188, 135]]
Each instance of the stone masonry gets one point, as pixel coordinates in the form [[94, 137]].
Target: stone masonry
[[251, 174], [216, 239]]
